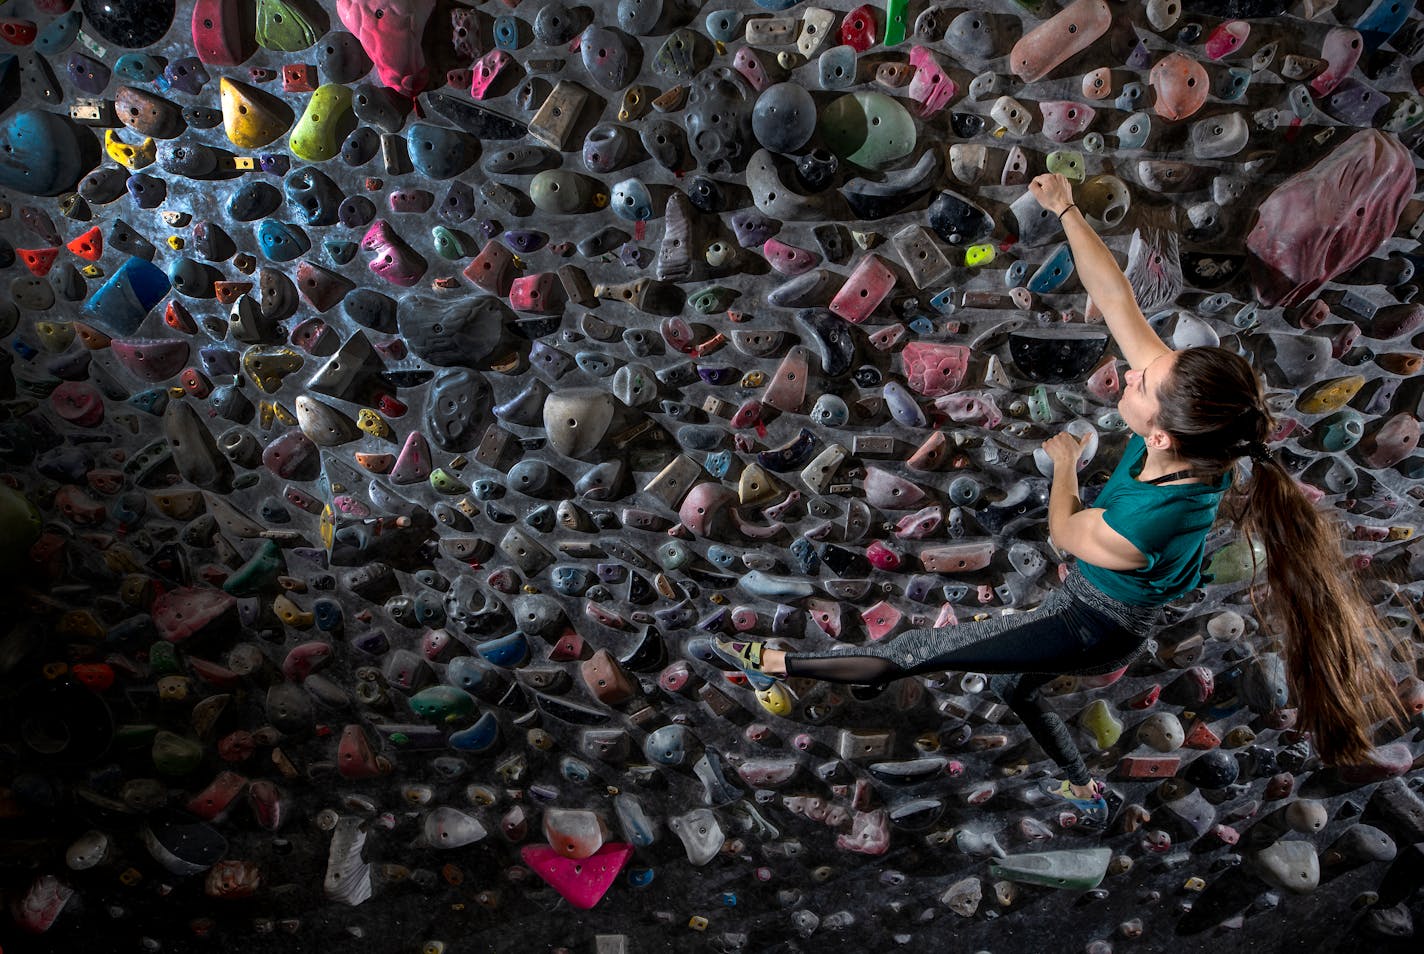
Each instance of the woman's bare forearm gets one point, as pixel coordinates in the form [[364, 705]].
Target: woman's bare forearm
[[1098, 271]]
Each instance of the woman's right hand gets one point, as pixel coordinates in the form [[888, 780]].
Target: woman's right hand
[[1052, 191]]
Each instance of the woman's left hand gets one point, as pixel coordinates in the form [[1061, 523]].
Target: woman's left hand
[[1063, 449]]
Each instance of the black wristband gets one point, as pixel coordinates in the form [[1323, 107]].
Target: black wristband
[[1071, 205]]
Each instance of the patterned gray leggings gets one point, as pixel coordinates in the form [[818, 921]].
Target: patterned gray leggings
[[1077, 629]]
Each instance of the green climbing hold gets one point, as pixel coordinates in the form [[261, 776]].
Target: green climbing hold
[[1075, 870], [446, 483], [318, 134], [283, 27], [1232, 563], [448, 243], [869, 129], [444, 704], [711, 300], [257, 574], [163, 659], [175, 755]]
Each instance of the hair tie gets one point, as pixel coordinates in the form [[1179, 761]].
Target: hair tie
[[1258, 452], [1071, 205]]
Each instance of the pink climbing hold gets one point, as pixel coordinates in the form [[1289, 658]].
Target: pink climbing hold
[[931, 86], [1329, 218], [1058, 39], [390, 32], [183, 612], [934, 369], [395, 260], [1227, 38], [1065, 119], [581, 882]]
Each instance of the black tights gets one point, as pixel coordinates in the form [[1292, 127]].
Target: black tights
[[1062, 635]]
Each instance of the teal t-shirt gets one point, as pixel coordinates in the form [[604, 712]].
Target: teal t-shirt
[[1168, 524]]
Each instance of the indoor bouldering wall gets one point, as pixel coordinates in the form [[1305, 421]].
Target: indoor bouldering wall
[[399, 397]]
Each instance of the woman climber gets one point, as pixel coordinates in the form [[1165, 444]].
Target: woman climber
[[1193, 413]]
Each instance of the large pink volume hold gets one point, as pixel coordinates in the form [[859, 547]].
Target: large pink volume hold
[[1067, 33], [390, 33], [1329, 218]]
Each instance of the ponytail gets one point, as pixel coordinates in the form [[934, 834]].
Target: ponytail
[[1333, 643]]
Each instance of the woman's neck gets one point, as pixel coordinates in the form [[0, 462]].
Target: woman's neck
[[1158, 463]]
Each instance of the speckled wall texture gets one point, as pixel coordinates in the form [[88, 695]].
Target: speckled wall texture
[[399, 396]]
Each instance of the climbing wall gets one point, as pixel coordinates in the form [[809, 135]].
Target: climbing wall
[[399, 396]]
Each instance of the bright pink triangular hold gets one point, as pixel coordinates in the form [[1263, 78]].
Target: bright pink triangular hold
[[582, 881]]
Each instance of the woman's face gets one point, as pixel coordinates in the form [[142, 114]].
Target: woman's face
[[1138, 404]]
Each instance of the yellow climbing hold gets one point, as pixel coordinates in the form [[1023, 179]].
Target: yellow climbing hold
[[372, 423], [1105, 727], [131, 157], [977, 255], [1331, 395], [252, 117], [776, 699]]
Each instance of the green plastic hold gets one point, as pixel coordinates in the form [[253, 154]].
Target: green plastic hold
[[869, 129], [1067, 163], [175, 755], [444, 704], [1038, 407], [163, 659], [1077, 870], [257, 574], [563, 192], [711, 300], [318, 134], [283, 27], [449, 244], [19, 528], [446, 483], [1105, 727], [895, 15], [1232, 563]]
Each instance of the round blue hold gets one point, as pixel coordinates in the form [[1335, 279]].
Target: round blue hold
[[43, 153]]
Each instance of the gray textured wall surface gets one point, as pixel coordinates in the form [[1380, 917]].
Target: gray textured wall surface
[[398, 396]]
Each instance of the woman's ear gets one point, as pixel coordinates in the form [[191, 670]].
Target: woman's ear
[[1159, 440]]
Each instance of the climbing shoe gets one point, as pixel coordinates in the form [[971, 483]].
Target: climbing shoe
[[746, 656], [1094, 813]]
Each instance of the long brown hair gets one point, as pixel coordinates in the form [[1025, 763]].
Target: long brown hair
[[1335, 648]]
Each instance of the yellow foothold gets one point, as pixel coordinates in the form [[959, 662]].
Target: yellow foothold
[[176, 242], [1329, 396], [372, 423], [92, 271], [776, 699], [284, 416], [130, 157], [697, 922], [291, 614], [252, 117], [977, 255], [1100, 721]]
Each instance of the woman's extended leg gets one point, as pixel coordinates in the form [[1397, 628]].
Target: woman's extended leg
[[1024, 695]]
